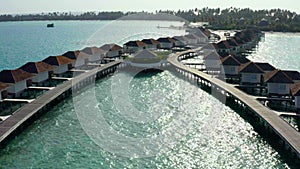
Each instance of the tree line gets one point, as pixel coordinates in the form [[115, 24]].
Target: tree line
[[227, 19]]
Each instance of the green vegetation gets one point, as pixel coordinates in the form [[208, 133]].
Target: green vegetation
[[226, 19], [163, 55]]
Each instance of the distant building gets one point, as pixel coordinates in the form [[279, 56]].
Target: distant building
[[40, 69], [18, 80], [112, 50], [263, 22], [61, 64], [241, 21]]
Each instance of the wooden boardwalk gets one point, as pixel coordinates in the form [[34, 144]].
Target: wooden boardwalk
[[9, 125], [282, 128]]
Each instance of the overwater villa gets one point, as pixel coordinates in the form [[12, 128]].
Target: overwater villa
[[230, 66], [166, 43], [151, 43], [205, 31], [61, 64], [79, 58], [40, 69], [223, 47], [251, 74], [145, 59], [192, 39], [295, 91], [3, 91], [18, 81], [112, 50], [241, 43], [279, 83], [234, 46], [180, 41], [212, 61], [95, 54], [134, 46]]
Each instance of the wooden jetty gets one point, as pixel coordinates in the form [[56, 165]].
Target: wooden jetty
[[272, 122], [20, 118]]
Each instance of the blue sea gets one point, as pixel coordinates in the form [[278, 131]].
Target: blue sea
[[94, 130]]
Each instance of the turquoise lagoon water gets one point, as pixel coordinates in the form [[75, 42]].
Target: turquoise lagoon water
[[217, 137]]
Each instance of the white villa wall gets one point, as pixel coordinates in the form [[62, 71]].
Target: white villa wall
[[113, 53], [279, 88], [166, 45], [231, 70], [40, 77], [212, 63], [80, 62], [180, 43], [17, 88], [61, 69], [250, 78], [94, 58], [151, 47]]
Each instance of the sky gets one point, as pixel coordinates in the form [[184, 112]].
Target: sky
[[39, 6]]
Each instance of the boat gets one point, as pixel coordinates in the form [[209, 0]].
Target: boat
[[50, 25]]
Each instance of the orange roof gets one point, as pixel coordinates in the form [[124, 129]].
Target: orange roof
[[62, 60], [14, 76], [36, 67], [43, 67], [3, 86], [295, 89], [277, 76], [116, 47]]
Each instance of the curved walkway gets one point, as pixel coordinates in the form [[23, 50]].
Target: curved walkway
[[282, 128]]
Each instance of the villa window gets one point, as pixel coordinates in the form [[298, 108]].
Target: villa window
[[253, 77], [282, 87]]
